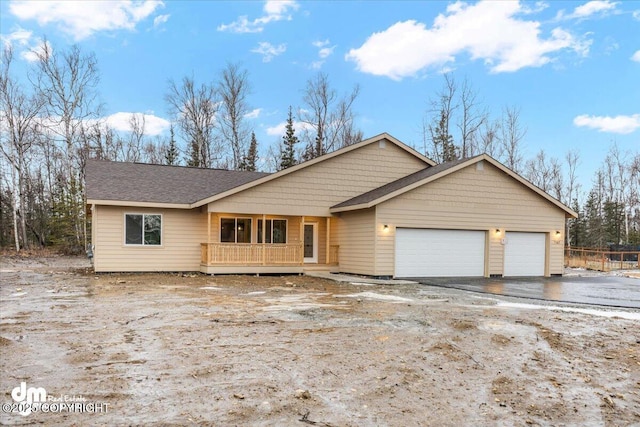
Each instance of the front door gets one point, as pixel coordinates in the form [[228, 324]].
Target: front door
[[311, 242]]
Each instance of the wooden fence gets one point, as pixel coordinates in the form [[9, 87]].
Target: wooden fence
[[600, 259]]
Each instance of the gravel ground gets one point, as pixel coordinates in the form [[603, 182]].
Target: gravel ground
[[174, 349]]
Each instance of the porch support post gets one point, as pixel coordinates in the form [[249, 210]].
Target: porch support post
[[264, 241], [302, 240], [328, 241], [208, 237]]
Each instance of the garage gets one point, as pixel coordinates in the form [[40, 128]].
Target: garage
[[524, 254], [439, 253]]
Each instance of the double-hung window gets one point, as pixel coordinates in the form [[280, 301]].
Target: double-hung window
[[235, 230], [143, 229], [275, 231]]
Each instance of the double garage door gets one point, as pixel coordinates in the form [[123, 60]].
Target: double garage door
[[461, 253]]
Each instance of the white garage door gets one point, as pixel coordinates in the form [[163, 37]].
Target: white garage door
[[524, 254], [439, 253]]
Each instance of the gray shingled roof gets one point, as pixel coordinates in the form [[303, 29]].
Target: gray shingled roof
[[379, 192], [141, 182]]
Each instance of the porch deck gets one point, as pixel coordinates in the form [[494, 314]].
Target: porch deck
[[243, 258]]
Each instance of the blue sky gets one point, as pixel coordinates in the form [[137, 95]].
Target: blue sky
[[573, 68]]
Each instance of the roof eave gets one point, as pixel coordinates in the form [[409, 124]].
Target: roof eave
[[138, 204], [351, 208]]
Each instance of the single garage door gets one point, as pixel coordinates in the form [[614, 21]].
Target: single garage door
[[439, 253], [524, 254]]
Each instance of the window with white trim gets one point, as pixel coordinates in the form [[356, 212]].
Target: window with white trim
[[275, 232], [235, 230], [143, 229]]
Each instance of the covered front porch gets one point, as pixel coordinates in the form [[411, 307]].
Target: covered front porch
[[248, 243]]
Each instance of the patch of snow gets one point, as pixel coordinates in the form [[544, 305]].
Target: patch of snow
[[211, 288], [255, 293], [362, 284], [631, 315], [375, 296]]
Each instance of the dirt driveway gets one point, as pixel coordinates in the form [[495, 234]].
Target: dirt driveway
[[162, 349]]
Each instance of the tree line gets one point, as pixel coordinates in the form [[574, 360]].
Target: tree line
[[52, 122], [458, 125]]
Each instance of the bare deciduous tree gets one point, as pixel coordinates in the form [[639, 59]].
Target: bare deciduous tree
[[511, 135], [18, 120], [68, 82], [194, 109], [438, 122], [330, 119], [233, 89], [472, 116]]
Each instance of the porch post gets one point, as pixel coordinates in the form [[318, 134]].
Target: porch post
[[302, 240], [208, 237], [264, 245], [328, 243]]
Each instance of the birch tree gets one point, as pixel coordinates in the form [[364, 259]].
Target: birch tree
[[68, 81], [18, 117], [194, 109], [330, 118], [234, 89]]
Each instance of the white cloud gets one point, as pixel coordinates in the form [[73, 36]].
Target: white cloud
[[636, 56], [617, 124], [324, 51], [279, 7], [22, 41], [636, 14], [274, 10], [81, 19], [488, 30], [269, 51], [253, 114], [20, 37], [593, 7], [153, 125], [280, 128], [160, 19]]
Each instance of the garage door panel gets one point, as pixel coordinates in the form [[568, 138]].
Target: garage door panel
[[524, 254], [439, 253]]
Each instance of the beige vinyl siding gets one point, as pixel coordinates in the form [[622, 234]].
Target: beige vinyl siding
[[356, 231], [313, 190], [182, 233], [471, 199]]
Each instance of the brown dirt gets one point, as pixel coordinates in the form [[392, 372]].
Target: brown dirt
[[189, 349]]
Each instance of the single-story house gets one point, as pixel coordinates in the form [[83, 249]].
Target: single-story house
[[375, 208]]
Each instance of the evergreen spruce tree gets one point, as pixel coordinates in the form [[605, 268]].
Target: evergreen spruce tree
[[171, 155], [595, 233], [248, 162], [445, 140], [194, 155], [288, 154], [577, 232]]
